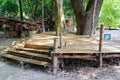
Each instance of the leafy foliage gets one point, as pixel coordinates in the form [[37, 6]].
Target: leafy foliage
[[110, 13], [9, 8], [68, 11]]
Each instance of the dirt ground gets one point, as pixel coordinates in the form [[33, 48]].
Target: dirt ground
[[82, 71]]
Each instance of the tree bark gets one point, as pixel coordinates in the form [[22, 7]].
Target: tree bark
[[21, 11], [86, 21], [80, 16], [43, 27], [59, 16]]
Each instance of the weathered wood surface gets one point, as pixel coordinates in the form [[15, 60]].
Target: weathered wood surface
[[37, 46], [88, 57], [42, 39], [41, 63], [32, 50], [29, 53], [80, 44], [76, 46]]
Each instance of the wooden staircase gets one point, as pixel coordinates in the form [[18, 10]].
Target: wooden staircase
[[29, 55]]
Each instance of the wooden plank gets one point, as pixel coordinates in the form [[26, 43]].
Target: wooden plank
[[84, 52], [30, 49], [81, 57], [30, 54], [33, 46], [111, 55], [41, 63]]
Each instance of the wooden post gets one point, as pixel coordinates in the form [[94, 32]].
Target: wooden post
[[55, 58], [100, 46], [61, 39], [100, 61], [55, 44], [55, 63], [101, 38]]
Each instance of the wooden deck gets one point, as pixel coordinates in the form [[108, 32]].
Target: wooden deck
[[79, 44], [74, 46]]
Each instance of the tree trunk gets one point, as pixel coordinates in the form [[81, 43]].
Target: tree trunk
[[59, 19], [86, 19], [80, 16], [59, 16], [21, 12], [43, 27]]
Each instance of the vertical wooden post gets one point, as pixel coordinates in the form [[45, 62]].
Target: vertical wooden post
[[55, 58], [100, 46], [55, 63], [61, 39], [101, 61], [55, 44], [101, 38]]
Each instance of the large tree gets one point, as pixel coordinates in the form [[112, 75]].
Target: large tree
[[86, 15]]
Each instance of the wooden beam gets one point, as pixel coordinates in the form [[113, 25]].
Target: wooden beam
[[78, 56], [34, 46], [30, 54], [33, 50], [41, 63]]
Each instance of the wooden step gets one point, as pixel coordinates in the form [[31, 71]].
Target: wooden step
[[32, 50], [41, 63], [30, 54], [33, 46]]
